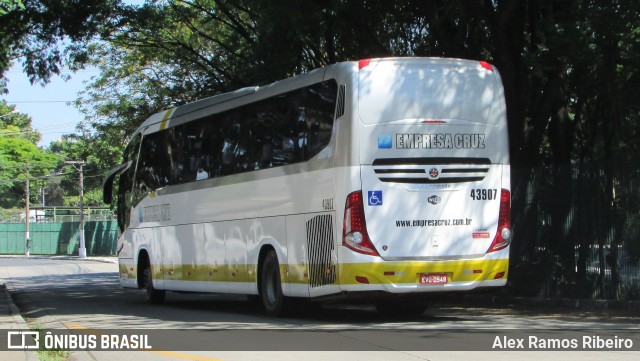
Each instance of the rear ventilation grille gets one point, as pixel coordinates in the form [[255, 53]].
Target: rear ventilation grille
[[322, 270], [431, 170], [340, 106]]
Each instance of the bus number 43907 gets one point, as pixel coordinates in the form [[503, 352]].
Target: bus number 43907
[[484, 194]]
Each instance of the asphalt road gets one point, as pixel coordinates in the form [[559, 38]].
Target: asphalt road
[[70, 294]]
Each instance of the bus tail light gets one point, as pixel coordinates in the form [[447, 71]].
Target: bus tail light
[[486, 65], [364, 63], [354, 235], [503, 234]]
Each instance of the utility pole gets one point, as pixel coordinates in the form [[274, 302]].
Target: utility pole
[[26, 218], [42, 196], [82, 250]]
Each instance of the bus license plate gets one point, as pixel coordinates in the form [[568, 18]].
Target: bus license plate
[[434, 278]]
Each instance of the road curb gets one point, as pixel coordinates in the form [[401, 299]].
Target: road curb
[[16, 318], [21, 324]]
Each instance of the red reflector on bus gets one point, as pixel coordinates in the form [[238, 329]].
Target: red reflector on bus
[[389, 273], [362, 279], [363, 63], [498, 275], [486, 65], [354, 235], [432, 121]]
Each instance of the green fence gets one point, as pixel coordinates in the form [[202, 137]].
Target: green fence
[[59, 238]]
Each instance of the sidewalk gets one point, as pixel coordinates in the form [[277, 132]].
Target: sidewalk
[[10, 319], [103, 259]]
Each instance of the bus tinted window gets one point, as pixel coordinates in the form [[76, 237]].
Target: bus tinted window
[[285, 129], [317, 108], [154, 167]]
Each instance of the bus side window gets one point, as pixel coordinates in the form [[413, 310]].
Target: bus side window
[[266, 155], [227, 151], [153, 170], [319, 105], [124, 199]]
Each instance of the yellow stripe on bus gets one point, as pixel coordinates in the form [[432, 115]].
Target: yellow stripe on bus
[[410, 271], [165, 119], [402, 272]]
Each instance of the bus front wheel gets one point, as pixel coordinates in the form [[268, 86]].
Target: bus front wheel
[[270, 286], [154, 296]]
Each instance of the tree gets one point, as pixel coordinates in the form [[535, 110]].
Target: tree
[[15, 155], [17, 148], [46, 34], [570, 71], [165, 55], [99, 156], [10, 5], [17, 124]]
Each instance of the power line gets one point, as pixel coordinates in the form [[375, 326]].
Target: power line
[[39, 177], [39, 101]]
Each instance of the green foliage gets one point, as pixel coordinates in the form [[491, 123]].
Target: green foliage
[[92, 198], [98, 154], [8, 5], [167, 54], [32, 31], [571, 70], [17, 148], [17, 125], [15, 154]]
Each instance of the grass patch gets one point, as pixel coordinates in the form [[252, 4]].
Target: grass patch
[[50, 355]]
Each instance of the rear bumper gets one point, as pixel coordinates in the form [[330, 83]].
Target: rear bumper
[[404, 277]]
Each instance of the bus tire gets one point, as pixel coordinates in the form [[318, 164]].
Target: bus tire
[[154, 296], [271, 294]]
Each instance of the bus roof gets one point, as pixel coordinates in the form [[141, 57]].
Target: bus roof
[[191, 111]]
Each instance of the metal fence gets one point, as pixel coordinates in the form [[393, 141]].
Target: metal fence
[[53, 214], [576, 232]]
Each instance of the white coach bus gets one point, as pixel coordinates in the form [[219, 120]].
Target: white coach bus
[[381, 177]]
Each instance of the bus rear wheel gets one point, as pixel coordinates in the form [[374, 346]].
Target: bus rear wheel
[[273, 300], [154, 296]]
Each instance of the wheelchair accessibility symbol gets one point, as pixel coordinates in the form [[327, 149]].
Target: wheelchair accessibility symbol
[[375, 198]]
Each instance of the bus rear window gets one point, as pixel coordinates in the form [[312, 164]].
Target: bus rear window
[[392, 91]]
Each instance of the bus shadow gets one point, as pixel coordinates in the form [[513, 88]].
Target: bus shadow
[[304, 312], [81, 296]]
